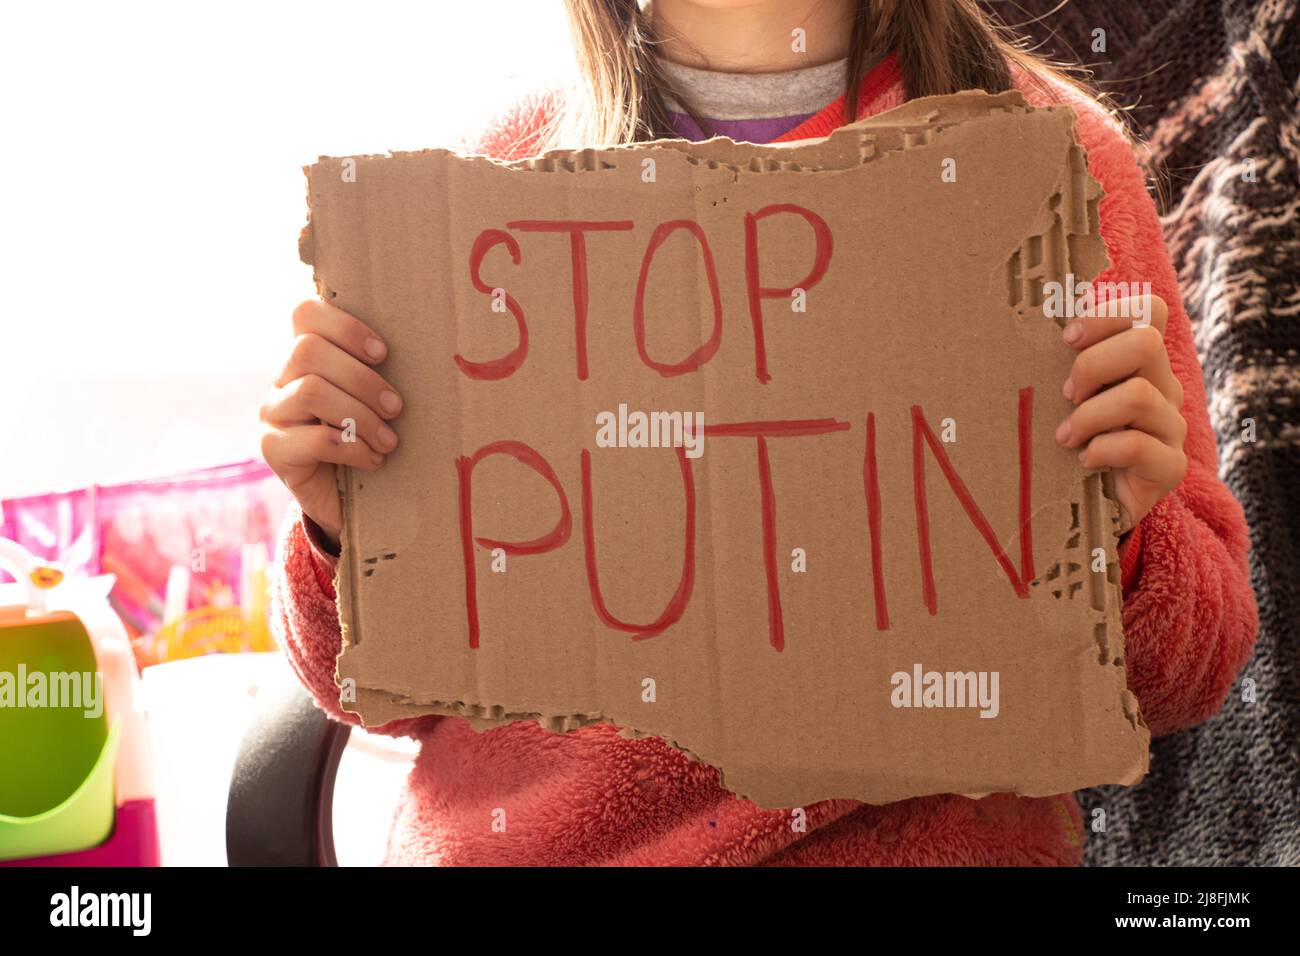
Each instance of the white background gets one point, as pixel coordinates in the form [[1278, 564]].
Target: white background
[[151, 196]]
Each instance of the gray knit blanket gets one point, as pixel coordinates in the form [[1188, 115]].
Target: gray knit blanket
[[1213, 86]]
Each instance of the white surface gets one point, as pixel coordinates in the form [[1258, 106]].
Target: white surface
[[371, 777], [198, 710]]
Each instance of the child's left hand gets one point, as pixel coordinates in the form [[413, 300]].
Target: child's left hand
[[1127, 402]]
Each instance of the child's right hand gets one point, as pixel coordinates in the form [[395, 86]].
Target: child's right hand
[[327, 379]]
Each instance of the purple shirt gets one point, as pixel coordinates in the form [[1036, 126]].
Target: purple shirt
[[750, 107], [743, 130]]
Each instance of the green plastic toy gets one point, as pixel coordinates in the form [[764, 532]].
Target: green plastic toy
[[57, 750]]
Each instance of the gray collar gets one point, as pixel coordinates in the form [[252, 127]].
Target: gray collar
[[742, 96]]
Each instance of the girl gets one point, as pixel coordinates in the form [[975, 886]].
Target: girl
[[781, 70]]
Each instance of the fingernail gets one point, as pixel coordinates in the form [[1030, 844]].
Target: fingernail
[[1073, 332], [376, 460], [1068, 390], [390, 402], [375, 348], [387, 437], [1063, 432]]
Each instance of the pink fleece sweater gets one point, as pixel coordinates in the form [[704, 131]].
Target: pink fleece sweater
[[592, 797]]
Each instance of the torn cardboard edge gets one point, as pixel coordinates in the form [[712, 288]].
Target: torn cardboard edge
[[917, 123]]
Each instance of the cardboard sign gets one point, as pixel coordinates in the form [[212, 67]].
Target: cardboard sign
[[747, 448]]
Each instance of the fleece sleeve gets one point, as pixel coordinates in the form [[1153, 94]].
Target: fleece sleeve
[[305, 619], [519, 131], [1190, 619]]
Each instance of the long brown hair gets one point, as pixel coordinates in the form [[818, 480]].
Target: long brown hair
[[943, 46]]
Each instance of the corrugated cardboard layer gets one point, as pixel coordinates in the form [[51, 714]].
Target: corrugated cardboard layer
[[930, 310]]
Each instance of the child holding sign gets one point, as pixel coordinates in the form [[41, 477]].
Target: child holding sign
[[768, 71]]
